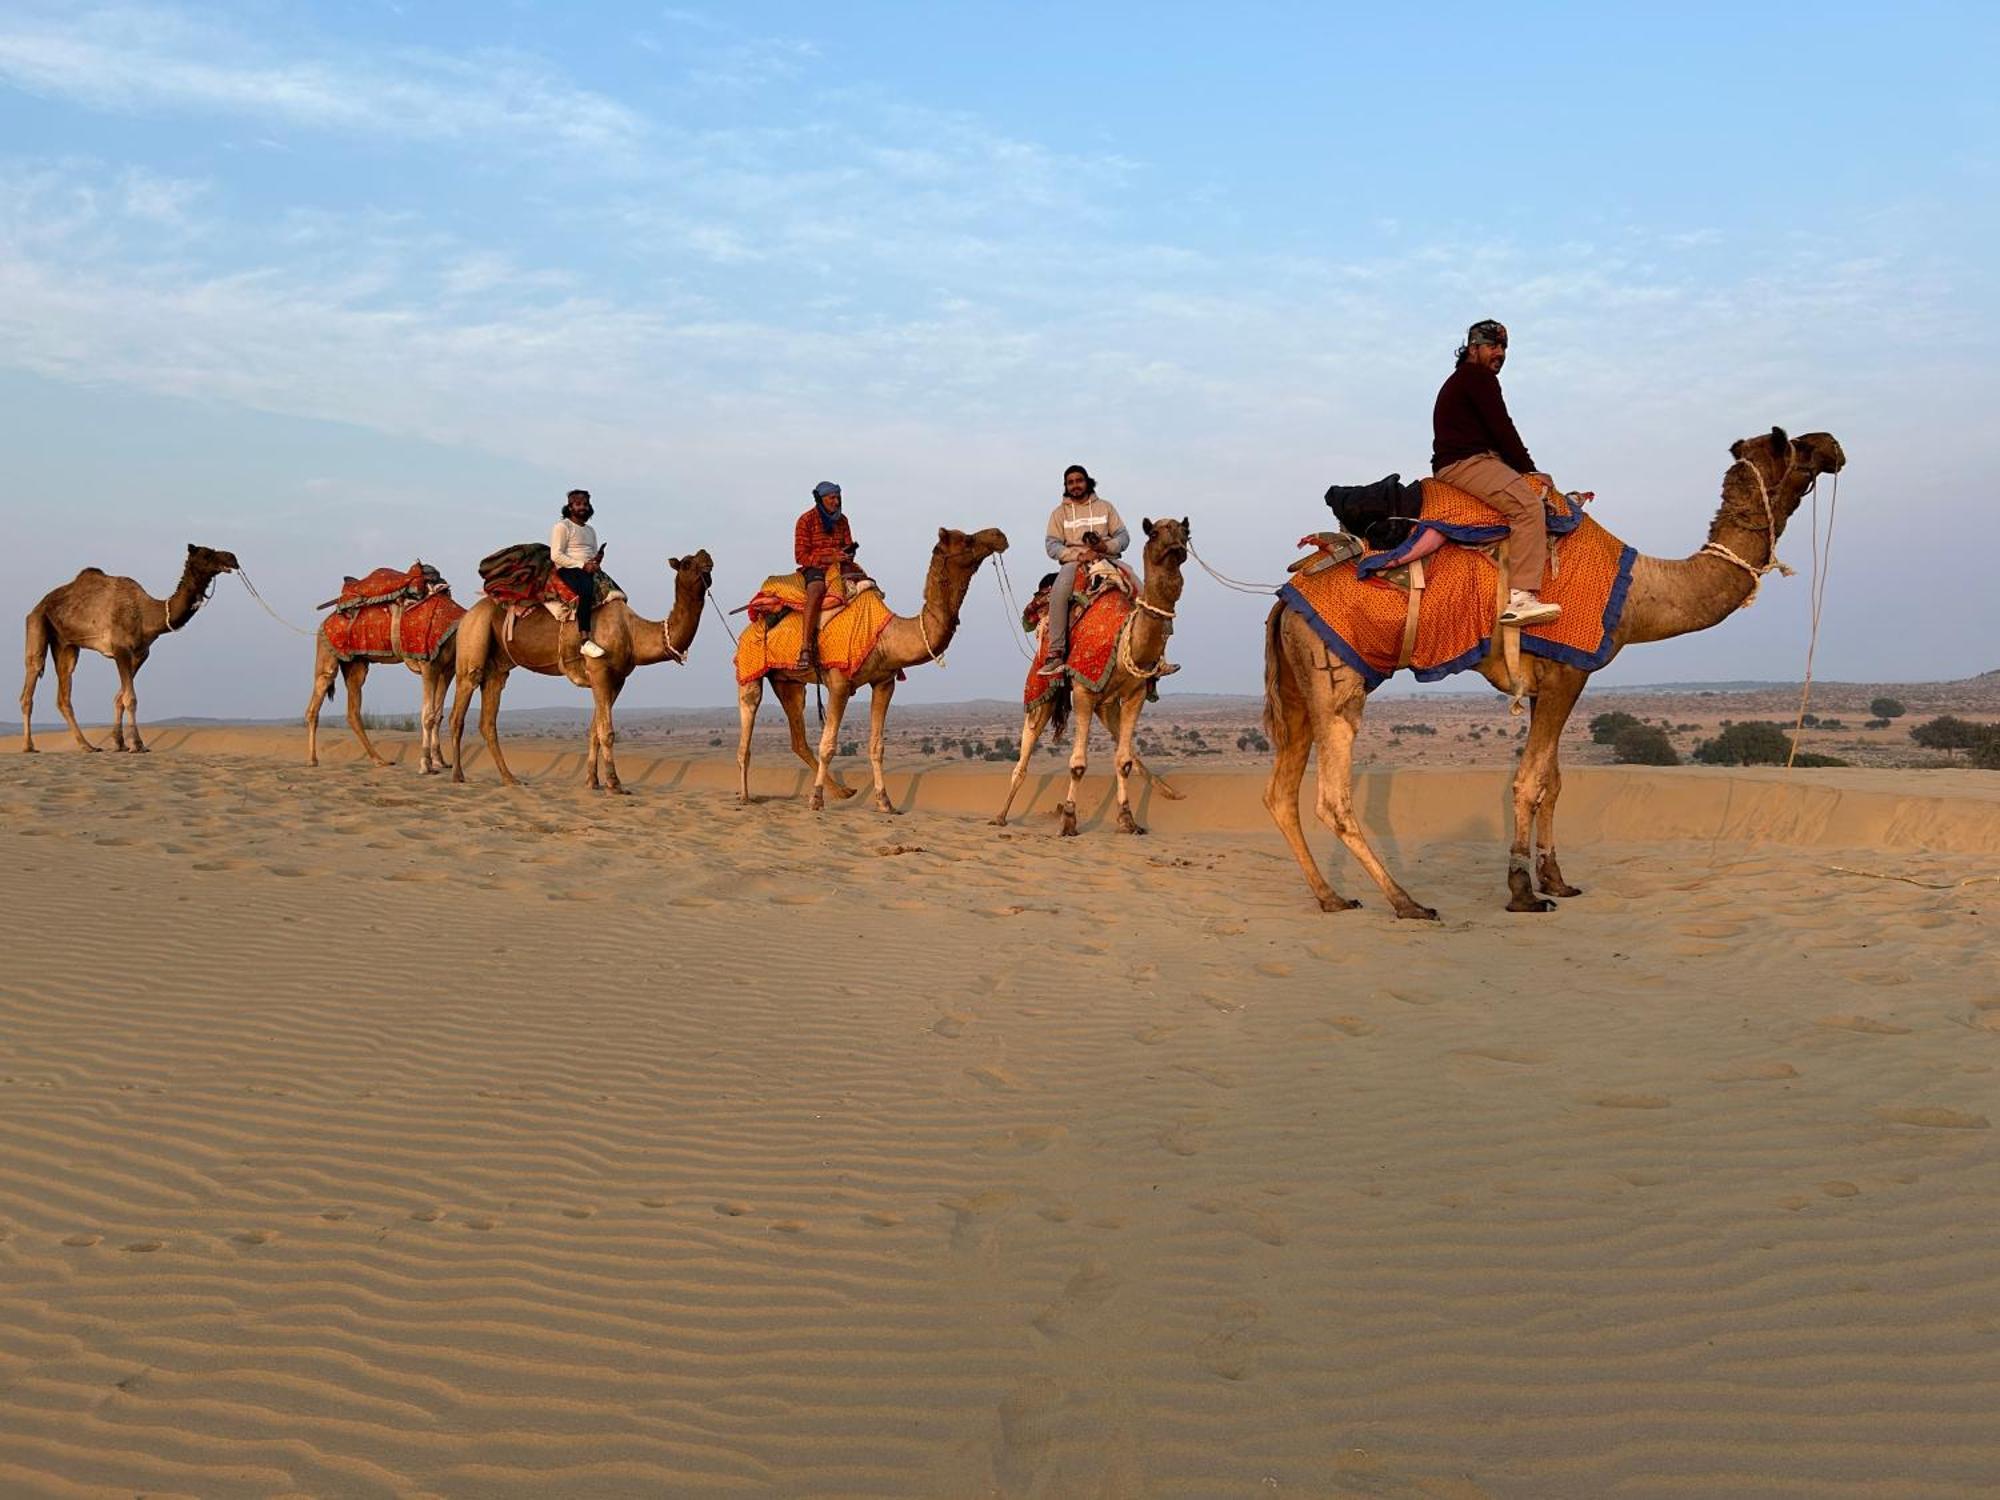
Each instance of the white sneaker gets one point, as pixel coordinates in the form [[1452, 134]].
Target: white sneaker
[[1525, 609], [591, 648]]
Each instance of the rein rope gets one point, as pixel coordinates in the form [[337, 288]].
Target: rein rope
[[1232, 583], [1822, 557], [245, 580], [1716, 549], [1012, 605]]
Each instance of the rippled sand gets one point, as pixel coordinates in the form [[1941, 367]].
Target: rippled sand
[[365, 1135]]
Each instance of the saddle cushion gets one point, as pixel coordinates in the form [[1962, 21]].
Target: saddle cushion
[[385, 585], [783, 591], [1359, 609], [1093, 646], [770, 643], [393, 632], [524, 575]]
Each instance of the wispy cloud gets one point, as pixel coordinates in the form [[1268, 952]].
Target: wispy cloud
[[142, 60]]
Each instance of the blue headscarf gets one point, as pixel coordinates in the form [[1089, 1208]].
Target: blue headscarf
[[820, 491]]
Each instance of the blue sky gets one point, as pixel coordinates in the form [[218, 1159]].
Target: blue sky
[[336, 286]]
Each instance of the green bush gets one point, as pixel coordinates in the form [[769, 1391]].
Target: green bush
[[1753, 743], [1605, 728], [1887, 708], [1951, 734], [1644, 745], [1814, 758]]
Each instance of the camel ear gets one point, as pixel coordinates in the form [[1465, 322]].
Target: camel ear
[[1186, 530], [1148, 525], [677, 563], [944, 535], [1736, 448], [1779, 442]]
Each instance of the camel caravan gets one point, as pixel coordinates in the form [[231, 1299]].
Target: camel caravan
[[1486, 566]]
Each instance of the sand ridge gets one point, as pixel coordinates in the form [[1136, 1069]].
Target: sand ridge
[[915, 1157]]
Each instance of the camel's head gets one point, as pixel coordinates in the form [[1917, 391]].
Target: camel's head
[[1167, 541], [208, 562], [1775, 471], [968, 551], [699, 564]]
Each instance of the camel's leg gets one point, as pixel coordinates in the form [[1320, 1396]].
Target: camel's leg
[[1033, 722], [1537, 781], [37, 653], [352, 675], [604, 734], [878, 723], [749, 698], [837, 694], [1084, 707], [1121, 719], [324, 668], [435, 680], [465, 685], [490, 688], [474, 643], [791, 695], [1292, 742], [130, 672], [123, 704], [65, 659]]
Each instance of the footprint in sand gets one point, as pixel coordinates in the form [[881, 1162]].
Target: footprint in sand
[[1840, 1189], [580, 1211], [1933, 1118], [1519, 1056], [1258, 1223], [732, 1209], [1230, 1349], [427, 1215], [1056, 1213], [254, 1236], [482, 1222], [1183, 1137], [881, 1218], [143, 1247], [1023, 1140], [335, 1215], [1272, 968], [1220, 1078], [1152, 1036], [1349, 1025], [1629, 1101], [1086, 1291], [993, 1078], [657, 1201], [789, 1226], [82, 1241], [1867, 1025], [1223, 1003], [949, 1025]]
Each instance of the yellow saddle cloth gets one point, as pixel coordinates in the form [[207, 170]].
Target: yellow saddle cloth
[[848, 627]]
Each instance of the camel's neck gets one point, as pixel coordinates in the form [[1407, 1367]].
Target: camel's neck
[[1162, 590], [937, 622], [669, 639], [1679, 595], [188, 596]]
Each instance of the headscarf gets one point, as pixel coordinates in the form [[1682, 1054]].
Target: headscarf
[[820, 491]]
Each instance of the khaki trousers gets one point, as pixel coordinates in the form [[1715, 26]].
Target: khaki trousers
[[1516, 498]]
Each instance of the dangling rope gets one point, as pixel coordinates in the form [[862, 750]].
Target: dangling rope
[[1233, 583], [1013, 607], [722, 617], [1822, 557], [245, 577]]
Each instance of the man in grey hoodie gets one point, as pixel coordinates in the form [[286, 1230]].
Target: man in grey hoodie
[[1083, 528]]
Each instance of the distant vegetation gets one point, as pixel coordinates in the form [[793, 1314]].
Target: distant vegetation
[[1757, 743], [1605, 728], [1887, 708], [1952, 734], [1644, 745]]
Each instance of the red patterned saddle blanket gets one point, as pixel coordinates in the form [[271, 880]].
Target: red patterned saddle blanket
[[392, 614], [1094, 631]]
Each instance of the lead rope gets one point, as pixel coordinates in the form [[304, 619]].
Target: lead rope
[[244, 578], [1233, 583], [722, 617], [1013, 607], [1822, 558]]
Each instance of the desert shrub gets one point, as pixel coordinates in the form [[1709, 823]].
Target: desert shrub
[[1605, 728], [1987, 756], [1752, 743], [1814, 758], [1253, 739], [1413, 729], [1809, 721], [1876, 724], [406, 722], [1644, 745], [1951, 734], [1887, 708]]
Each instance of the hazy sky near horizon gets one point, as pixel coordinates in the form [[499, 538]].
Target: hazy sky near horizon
[[336, 286]]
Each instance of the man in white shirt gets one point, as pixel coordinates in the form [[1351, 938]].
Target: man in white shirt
[[578, 558]]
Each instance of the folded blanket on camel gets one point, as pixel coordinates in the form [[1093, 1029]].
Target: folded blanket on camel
[[851, 621], [393, 614], [1360, 608], [524, 575]]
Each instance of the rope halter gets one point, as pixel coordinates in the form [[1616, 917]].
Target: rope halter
[[1717, 549]]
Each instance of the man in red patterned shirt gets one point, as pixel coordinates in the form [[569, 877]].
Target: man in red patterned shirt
[[820, 540]]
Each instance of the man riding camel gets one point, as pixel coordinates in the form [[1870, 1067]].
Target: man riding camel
[[578, 558], [822, 539], [1083, 528], [1475, 448]]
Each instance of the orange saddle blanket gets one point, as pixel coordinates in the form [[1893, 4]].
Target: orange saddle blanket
[[1093, 646], [1360, 608], [396, 631], [849, 626]]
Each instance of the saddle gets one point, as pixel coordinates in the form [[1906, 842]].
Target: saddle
[[392, 614], [388, 586], [1101, 575]]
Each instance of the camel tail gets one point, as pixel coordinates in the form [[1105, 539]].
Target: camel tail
[[1059, 711], [1275, 673]]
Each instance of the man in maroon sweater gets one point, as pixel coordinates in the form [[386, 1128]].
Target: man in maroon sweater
[[821, 539], [1474, 447]]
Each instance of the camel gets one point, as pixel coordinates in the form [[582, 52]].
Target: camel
[[906, 641], [116, 618], [1313, 700], [435, 674], [541, 643], [1141, 651]]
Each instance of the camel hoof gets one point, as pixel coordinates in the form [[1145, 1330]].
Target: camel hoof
[[816, 802], [1337, 903], [1562, 890], [996, 822], [141, 750], [885, 806], [1530, 903], [618, 791], [1130, 827], [31, 749], [1419, 914]]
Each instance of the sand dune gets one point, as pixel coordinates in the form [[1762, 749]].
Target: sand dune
[[365, 1135]]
